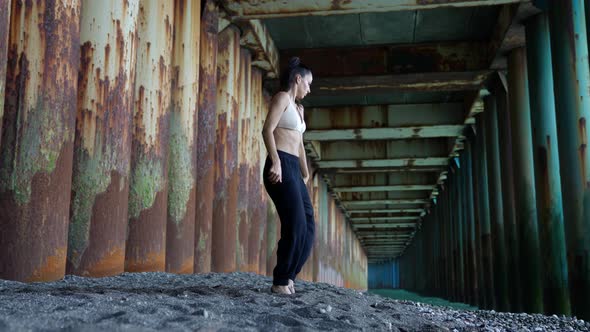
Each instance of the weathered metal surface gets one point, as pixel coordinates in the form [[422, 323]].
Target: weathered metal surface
[[381, 84], [5, 6], [146, 237], [102, 149], [569, 48], [487, 267], [499, 90], [245, 160], [382, 188], [38, 138], [547, 170], [207, 122], [402, 162], [256, 38], [393, 59], [524, 182], [472, 263], [384, 133], [180, 227], [224, 230], [490, 118], [276, 8]]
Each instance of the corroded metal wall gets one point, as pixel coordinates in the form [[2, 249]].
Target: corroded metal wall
[[38, 138], [146, 238], [180, 230], [4, 29], [100, 184], [207, 121], [152, 120]]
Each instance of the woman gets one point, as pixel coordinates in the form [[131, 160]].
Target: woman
[[286, 174]]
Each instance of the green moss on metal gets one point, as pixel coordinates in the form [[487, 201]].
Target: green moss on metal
[[91, 177], [33, 148], [203, 238], [146, 181], [180, 170]]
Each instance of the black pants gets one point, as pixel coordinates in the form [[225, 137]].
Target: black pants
[[296, 213]]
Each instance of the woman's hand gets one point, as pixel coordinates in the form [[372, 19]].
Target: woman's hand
[[275, 173], [305, 178]]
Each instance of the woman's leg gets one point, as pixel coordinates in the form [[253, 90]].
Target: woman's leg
[[309, 229]]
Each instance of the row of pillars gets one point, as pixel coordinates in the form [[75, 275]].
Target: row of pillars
[[130, 141], [511, 229]]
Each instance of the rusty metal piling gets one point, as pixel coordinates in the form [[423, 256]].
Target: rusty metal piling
[[5, 6], [146, 238], [102, 149], [38, 138], [569, 50], [547, 170]]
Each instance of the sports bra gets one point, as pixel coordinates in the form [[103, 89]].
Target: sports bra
[[290, 119]]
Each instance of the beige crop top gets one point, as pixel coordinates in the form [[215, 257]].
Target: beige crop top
[[290, 119]]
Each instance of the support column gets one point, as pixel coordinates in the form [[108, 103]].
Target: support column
[[38, 138], [146, 238], [484, 215], [207, 123], [5, 6], [102, 148], [496, 212], [524, 185], [569, 48], [547, 170], [471, 258]]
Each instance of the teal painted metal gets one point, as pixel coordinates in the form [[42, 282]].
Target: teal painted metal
[[496, 208], [569, 48], [471, 258], [524, 185], [487, 280], [512, 246], [547, 170], [460, 232]]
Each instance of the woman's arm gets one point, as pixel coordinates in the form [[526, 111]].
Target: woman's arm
[[303, 162], [277, 107]]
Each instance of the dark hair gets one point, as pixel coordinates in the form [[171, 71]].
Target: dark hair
[[288, 74]]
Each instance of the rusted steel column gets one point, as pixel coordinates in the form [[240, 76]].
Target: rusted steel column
[[256, 192], [146, 236], [490, 118], [4, 29], [207, 122], [38, 139], [180, 227], [459, 219], [471, 258], [524, 185], [546, 157], [499, 90], [225, 201], [465, 228], [102, 150], [244, 158], [484, 215], [572, 99], [474, 146]]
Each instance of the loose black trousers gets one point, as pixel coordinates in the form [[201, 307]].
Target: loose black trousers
[[292, 201]]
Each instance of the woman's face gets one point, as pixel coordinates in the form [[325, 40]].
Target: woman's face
[[303, 85]]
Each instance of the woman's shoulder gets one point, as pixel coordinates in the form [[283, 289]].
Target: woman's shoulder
[[281, 96]]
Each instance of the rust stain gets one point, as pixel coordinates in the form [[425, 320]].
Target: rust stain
[[180, 241], [110, 264]]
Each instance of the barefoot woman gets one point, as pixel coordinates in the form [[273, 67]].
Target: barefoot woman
[[285, 175]]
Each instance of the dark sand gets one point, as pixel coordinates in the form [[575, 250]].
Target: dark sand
[[234, 302]]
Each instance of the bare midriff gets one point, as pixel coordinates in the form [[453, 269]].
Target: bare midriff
[[287, 140]]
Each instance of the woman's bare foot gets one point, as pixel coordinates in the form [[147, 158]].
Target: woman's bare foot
[[291, 286], [280, 289]]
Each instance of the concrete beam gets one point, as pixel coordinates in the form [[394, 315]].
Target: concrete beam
[[256, 37], [384, 133], [281, 8], [362, 220], [418, 149], [352, 211], [384, 225], [380, 84], [384, 202], [393, 59], [401, 162], [383, 188]]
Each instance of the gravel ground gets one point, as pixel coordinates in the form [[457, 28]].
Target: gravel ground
[[235, 302]]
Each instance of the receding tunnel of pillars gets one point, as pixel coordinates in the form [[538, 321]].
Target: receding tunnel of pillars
[[510, 230], [131, 142]]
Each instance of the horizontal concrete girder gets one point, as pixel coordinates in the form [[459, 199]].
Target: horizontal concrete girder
[[375, 211], [256, 37], [384, 133], [383, 188], [421, 148], [384, 202], [281, 8], [379, 84], [393, 59], [383, 225], [400, 162], [360, 221]]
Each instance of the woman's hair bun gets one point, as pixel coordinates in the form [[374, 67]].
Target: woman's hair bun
[[294, 62]]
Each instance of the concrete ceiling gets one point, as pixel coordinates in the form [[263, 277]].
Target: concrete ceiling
[[396, 83]]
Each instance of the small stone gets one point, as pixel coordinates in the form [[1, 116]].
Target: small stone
[[322, 310], [329, 308]]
